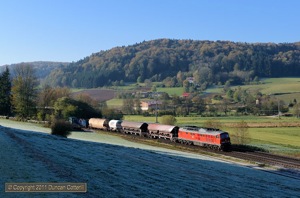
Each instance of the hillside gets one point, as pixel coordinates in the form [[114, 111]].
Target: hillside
[[209, 62], [42, 68], [113, 167]]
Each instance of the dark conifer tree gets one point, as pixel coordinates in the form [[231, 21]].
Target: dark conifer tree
[[5, 93]]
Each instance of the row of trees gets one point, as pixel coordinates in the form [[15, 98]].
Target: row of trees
[[21, 97], [238, 101]]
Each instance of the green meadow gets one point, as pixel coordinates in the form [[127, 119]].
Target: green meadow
[[115, 103], [286, 89], [171, 90]]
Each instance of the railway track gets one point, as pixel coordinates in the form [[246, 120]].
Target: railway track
[[257, 157], [262, 159]]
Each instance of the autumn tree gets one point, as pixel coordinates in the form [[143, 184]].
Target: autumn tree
[[296, 110], [168, 119], [128, 106], [110, 114], [137, 106], [49, 95], [24, 91], [213, 123], [45, 102], [223, 106], [198, 104], [240, 134], [186, 85], [5, 93], [60, 92], [47, 98], [153, 88], [180, 78], [67, 107], [87, 99]]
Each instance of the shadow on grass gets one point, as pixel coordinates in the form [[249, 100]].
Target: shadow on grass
[[247, 148]]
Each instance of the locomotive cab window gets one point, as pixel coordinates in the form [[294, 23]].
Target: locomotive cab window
[[224, 135]]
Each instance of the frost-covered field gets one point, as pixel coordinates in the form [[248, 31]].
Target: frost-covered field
[[113, 167]]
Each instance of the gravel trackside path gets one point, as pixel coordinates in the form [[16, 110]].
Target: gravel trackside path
[[119, 171]]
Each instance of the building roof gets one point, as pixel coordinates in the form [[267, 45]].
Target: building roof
[[152, 102]]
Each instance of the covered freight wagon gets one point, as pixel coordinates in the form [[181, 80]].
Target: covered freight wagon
[[137, 128], [162, 131]]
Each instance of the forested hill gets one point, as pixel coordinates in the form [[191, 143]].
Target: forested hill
[[42, 68], [173, 60]]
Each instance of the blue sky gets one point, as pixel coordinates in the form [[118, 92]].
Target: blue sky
[[69, 30]]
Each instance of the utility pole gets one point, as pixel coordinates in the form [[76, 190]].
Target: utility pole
[[156, 108], [278, 109]]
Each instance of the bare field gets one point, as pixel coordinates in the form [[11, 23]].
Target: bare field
[[98, 94]]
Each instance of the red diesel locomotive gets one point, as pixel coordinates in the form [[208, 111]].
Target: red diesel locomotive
[[206, 137]]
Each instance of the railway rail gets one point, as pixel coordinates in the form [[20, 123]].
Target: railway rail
[[262, 158]]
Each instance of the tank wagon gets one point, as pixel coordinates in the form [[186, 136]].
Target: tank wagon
[[115, 125], [98, 123]]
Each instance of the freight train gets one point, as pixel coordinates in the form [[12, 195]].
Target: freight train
[[190, 135]]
